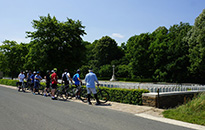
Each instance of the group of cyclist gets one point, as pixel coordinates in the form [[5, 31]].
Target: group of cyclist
[[51, 78]]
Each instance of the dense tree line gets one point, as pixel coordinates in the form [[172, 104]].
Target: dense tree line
[[175, 54]]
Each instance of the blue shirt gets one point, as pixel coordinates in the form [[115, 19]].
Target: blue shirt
[[90, 80], [29, 77], [36, 80], [32, 77], [75, 78]]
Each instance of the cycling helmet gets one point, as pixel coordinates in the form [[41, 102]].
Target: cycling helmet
[[38, 72], [52, 71], [55, 69], [78, 71], [34, 72]]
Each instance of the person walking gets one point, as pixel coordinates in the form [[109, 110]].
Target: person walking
[[37, 79], [21, 77], [29, 79], [48, 82], [32, 80], [66, 77], [78, 82], [54, 79], [90, 80]]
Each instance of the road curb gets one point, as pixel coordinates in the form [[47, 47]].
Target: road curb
[[171, 121]]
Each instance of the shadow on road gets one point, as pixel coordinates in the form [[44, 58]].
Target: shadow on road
[[104, 104], [62, 100]]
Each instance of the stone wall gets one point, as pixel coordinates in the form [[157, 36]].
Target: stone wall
[[169, 99]]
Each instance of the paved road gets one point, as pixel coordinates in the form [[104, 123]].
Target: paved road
[[23, 111]]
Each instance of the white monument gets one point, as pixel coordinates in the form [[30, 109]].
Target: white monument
[[113, 75]]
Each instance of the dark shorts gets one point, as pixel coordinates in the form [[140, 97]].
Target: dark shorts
[[66, 82], [47, 85], [54, 86], [19, 83], [36, 85]]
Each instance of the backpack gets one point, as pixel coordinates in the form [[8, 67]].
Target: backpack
[[64, 77], [75, 77]]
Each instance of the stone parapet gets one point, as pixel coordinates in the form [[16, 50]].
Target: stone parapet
[[168, 99]]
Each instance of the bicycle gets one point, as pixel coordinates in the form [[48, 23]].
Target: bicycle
[[102, 94], [21, 85], [66, 91], [62, 92], [41, 88]]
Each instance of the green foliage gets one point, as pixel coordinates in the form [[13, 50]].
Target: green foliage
[[55, 44], [12, 57], [192, 112], [105, 71], [138, 55], [8, 82], [123, 71], [129, 96], [195, 39], [105, 51]]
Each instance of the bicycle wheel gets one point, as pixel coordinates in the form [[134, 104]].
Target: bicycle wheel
[[103, 96], [71, 92], [41, 88], [83, 95], [57, 94]]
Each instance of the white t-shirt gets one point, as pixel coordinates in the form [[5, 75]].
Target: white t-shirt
[[21, 77], [67, 75]]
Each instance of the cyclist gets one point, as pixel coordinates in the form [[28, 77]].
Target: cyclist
[[90, 80], [66, 77], [37, 79], [78, 83], [48, 81], [32, 80], [21, 77], [29, 79], [54, 79]]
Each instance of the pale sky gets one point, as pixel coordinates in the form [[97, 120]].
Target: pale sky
[[119, 19]]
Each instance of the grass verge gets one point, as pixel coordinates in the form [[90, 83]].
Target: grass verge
[[192, 112]]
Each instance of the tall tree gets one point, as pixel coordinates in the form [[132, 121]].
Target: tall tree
[[196, 41], [137, 53], [105, 51], [56, 44], [178, 61], [158, 53], [13, 56]]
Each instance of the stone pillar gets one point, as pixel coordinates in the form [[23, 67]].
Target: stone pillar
[[113, 75]]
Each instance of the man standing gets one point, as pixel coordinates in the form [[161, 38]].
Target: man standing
[[29, 79], [66, 77], [77, 81], [54, 79], [48, 81], [21, 77], [90, 80], [32, 80], [37, 79]]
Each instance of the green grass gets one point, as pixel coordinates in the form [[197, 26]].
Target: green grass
[[192, 112]]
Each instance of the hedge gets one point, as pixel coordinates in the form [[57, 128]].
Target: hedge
[[129, 96], [8, 82], [121, 95]]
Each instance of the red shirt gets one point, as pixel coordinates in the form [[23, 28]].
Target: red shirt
[[54, 78]]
